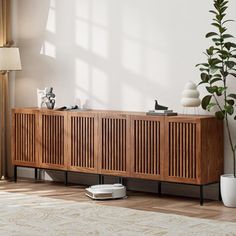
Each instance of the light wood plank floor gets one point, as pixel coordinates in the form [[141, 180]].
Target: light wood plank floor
[[135, 200]]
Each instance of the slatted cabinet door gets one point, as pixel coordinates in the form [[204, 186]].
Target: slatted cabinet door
[[82, 142], [24, 137], [147, 142], [183, 149], [114, 141], [53, 139]]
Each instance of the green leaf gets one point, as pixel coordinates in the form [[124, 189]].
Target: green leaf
[[214, 69], [217, 40], [205, 101], [226, 21], [214, 61], [216, 25], [211, 34], [232, 95], [210, 106], [226, 36], [233, 74], [230, 64], [214, 12], [228, 45], [220, 90], [229, 109], [217, 75], [214, 80], [202, 64], [202, 82], [224, 3], [224, 73], [220, 115], [223, 9], [212, 89], [203, 69], [204, 77], [233, 45], [230, 102]]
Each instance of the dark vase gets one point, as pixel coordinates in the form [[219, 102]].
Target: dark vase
[[50, 105]]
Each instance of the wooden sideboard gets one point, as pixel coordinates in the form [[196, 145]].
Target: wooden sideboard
[[181, 149]]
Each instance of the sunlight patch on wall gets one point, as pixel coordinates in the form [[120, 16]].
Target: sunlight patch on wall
[[131, 21], [100, 12], [131, 55], [48, 49], [100, 41], [82, 34], [51, 21], [82, 9]]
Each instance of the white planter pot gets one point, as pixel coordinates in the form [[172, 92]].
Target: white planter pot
[[228, 190]]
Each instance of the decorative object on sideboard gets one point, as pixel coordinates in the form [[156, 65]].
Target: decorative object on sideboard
[[190, 97], [41, 95], [220, 66], [160, 107], [161, 110], [50, 98]]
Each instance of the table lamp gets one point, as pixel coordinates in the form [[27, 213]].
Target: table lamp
[[9, 59]]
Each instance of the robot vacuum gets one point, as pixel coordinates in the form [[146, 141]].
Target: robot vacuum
[[106, 191]]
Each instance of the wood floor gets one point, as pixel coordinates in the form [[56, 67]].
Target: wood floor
[[140, 201]]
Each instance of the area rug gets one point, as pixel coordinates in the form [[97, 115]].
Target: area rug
[[22, 214]]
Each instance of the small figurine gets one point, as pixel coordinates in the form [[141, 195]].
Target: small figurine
[[50, 98], [159, 107]]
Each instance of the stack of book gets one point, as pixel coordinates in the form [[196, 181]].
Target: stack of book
[[162, 113]]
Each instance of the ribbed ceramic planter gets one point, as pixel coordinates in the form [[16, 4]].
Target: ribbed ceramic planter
[[228, 190]]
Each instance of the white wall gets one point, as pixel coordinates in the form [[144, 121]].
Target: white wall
[[119, 54]]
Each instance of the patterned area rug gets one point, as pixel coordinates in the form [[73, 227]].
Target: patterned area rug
[[23, 214]]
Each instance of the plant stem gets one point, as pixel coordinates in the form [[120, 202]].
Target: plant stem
[[231, 144]]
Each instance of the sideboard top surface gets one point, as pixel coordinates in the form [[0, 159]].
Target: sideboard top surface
[[108, 112]]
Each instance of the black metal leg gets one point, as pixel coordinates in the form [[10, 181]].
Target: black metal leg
[[66, 178], [15, 174], [36, 174], [100, 179], [124, 181], [201, 195], [159, 188], [120, 180], [220, 198]]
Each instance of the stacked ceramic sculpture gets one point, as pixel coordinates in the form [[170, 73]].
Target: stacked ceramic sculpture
[[190, 95]]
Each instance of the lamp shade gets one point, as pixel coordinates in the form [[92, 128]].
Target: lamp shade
[[10, 59]]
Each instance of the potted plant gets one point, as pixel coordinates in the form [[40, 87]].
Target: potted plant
[[215, 73]]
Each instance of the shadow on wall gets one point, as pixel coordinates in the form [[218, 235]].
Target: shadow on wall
[[114, 53], [119, 54]]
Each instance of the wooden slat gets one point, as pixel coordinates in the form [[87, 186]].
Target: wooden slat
[[146, 147], [113, 145], [182, 150], [24, 135]]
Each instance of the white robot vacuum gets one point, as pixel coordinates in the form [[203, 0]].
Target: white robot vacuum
[[106, 191]]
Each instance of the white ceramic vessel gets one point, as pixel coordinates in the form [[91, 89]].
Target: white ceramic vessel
[[228, 190], [190, 95]]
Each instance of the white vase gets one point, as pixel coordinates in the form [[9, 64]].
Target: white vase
[[228, 190], [190, 95]]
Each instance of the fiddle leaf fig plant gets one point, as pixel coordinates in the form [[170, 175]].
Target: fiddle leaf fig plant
[[220, 67]]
